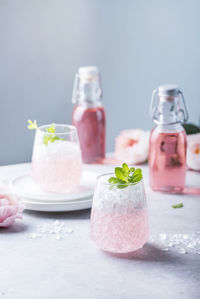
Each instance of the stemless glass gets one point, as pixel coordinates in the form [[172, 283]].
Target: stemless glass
[[119, 219], [56, 160]]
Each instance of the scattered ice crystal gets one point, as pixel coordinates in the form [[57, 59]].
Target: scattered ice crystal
[[181, 243], [56, 229], [162, 236], [182, 251], [69, 230], [58, 237]]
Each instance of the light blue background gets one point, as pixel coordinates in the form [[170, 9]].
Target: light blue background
[[136, 44]]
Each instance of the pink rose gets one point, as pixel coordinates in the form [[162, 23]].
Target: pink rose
[[193, 151], [132, 146], [10, 208]]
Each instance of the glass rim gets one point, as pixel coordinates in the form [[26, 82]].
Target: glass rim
[[113, 174], [71, 127]]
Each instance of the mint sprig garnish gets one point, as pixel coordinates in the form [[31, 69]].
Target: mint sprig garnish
[[51, 137], [125, 176]]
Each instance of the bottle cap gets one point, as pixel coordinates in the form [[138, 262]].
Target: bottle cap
[[87, 85], [88, 72], [168, 105], [168, 90]]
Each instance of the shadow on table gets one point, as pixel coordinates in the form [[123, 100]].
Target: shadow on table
[[15, 228], [149, 253], [83, 214]]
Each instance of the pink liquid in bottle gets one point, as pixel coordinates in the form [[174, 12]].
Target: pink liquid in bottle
[[89, 116], [167, 152], [167, 160], [90, 124]]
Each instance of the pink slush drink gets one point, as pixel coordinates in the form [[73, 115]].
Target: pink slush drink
[[56, 167], [119, 218]]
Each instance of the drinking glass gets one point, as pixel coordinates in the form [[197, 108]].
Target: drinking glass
[[119, 219], [56, 159]]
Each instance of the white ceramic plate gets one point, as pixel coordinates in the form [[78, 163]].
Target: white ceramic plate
[[57, 207], [24, 186], [37, 200]]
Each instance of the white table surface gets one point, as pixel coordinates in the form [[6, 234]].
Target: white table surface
[[75, 268]]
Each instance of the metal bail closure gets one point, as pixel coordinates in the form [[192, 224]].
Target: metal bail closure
[[87, 85], [166, 94]]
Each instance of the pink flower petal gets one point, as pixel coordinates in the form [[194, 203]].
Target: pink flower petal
[[132, 146], [10, 208], [193, 151], [4, 201], [8, 221]]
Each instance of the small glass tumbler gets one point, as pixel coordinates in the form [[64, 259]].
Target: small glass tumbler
[[119, 219], [56, 159]]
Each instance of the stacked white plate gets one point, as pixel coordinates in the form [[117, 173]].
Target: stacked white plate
[[36, 199]]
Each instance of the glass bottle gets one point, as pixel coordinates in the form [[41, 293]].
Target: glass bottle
[[89, 114], [167, 152]]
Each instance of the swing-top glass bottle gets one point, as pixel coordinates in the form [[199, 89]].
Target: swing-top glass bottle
[[167, 153], [89, 114]]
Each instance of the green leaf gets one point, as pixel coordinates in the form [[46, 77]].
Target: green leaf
[[125, 176], [191, 129], [132, 169], [178, 206], [51, 129], [113, 180], [49, 138], [32, 125], [45, 139], [137, 175], [135, 179], [122, 186], [120, 174], [125, 169]]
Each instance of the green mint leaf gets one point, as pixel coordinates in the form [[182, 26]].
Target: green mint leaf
[[178, 206], [123, 185], [51, 129], [137, 174], [132, 169], [120, 173], [45, 139], [125, 169], [48, 138], [54, 138], [113, 180], [32, 125], [125, 176]]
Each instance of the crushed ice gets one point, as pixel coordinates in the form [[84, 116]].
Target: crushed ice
[[182, 243], [57, 229]]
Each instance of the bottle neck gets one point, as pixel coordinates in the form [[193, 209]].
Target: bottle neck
[[172, 128], [89, 104], [87, 90], [168, 106], [168, 111]]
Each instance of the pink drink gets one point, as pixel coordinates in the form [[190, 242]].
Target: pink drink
[[119, 221], [56, 167], [58, 176], [167, 160], [90, 124], [120, 232]]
